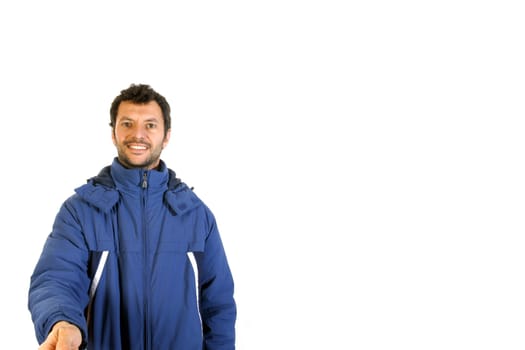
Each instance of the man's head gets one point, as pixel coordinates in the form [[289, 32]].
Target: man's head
[[141, 126], [138, 94]]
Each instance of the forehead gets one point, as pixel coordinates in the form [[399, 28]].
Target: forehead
[[131, 110]]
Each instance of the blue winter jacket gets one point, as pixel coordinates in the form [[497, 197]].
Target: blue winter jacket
[[166, 283]]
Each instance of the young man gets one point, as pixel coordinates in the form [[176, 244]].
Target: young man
[[134, 259]]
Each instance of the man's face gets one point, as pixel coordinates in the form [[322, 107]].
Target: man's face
[[138, 134]]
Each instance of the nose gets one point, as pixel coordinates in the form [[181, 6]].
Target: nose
[[139, 131]]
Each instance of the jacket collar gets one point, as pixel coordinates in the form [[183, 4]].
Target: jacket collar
[[136, 179], [105, 177]]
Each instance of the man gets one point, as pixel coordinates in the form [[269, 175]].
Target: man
[[134, 259]]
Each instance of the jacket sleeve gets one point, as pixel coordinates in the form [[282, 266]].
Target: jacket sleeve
[[59, 283], [217, 305]]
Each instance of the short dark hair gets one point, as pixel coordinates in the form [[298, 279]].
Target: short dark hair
[[141, 93]]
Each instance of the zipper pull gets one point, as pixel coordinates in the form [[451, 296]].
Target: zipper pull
[[145, 180]]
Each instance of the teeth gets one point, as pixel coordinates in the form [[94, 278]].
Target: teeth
[[138, 147]]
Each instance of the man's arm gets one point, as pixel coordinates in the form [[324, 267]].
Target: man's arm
[[60, 282], [217, 304]]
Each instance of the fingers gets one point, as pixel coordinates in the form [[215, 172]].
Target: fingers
[[64, 336], [50, 343]]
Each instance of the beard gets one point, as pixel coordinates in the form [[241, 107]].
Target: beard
[[149, 162]]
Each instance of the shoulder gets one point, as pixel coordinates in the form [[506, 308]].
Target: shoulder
[[182, 199], [99, 191]]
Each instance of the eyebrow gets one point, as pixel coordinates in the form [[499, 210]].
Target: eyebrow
[[149, 120]]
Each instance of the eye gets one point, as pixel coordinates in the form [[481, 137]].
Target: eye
[[125, 124], [151, 125]]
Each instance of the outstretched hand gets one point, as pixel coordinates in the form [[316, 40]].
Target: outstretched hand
[[63, 336]]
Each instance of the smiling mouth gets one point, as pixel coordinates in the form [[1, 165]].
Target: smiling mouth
[[137, 147]]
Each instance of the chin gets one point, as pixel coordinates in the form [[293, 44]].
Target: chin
[[134, 163]]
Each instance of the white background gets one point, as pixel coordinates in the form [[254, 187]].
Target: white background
[[364, 159]]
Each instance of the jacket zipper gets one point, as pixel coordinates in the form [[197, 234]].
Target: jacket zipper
[[145, 180], [147, 342]]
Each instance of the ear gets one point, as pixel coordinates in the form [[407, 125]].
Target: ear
[[166, 139], [113, 136]]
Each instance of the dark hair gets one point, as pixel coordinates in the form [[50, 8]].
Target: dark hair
[[141, 93]]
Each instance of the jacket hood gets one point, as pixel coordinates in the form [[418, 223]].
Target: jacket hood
[[101, 191]]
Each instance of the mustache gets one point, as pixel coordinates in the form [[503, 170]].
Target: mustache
[[137, 141]]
